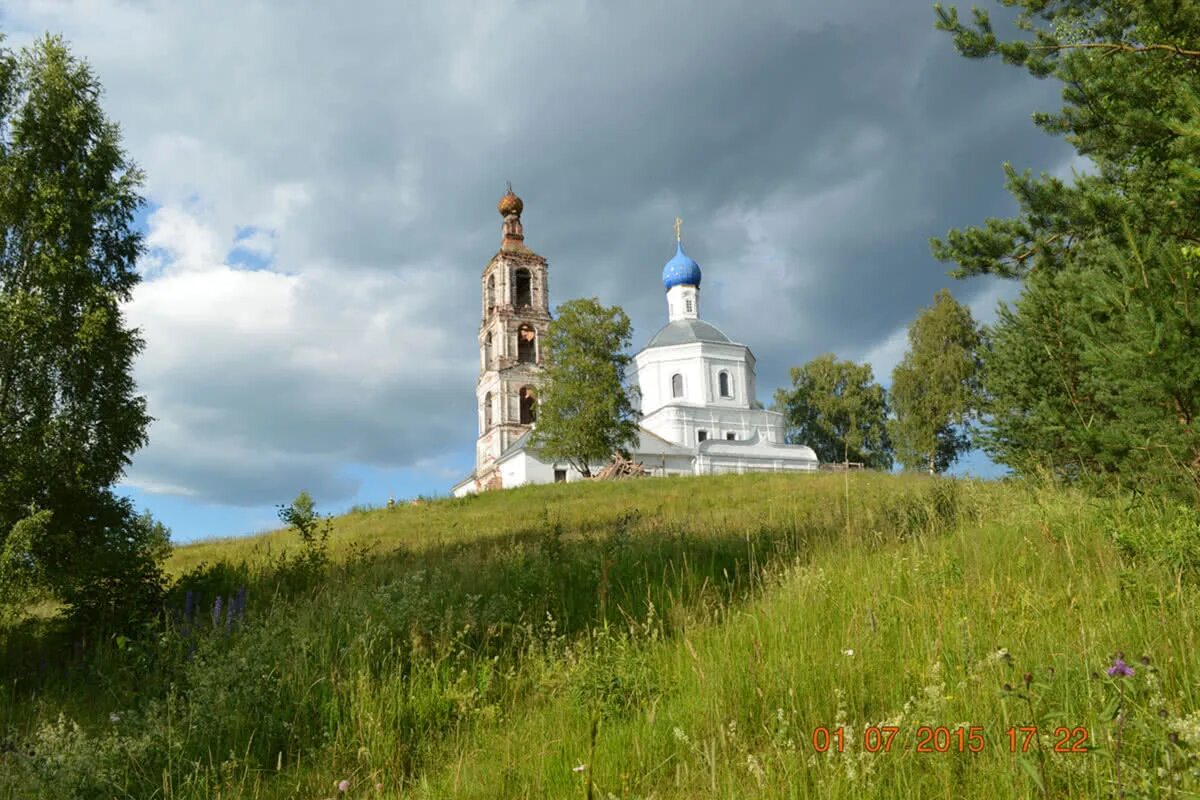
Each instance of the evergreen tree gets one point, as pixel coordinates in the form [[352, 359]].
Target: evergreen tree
[[935, 388], [584, 412], [836, 408], [1093, 372], [69, 413]]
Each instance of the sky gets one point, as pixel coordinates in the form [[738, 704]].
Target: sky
[[322, 179]]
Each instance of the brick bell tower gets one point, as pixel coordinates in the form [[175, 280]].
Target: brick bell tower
[[516, 315]]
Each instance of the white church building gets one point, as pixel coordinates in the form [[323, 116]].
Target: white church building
[[696, 386]]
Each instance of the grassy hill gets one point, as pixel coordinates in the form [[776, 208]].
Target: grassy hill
[[733, 636]]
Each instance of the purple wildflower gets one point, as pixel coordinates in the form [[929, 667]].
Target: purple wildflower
[[216, 611], [1120, 669]]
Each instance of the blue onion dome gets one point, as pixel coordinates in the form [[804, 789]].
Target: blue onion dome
[[681, 270]]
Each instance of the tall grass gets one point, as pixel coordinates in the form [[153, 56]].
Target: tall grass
[[660, 638]]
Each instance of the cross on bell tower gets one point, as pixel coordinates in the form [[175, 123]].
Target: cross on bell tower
[[515, 318]]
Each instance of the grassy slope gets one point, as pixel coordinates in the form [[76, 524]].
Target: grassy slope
[[699, 626], [923, 620]]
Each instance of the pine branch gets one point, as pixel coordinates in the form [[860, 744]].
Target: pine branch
[[1119, 47], [1021, 258]]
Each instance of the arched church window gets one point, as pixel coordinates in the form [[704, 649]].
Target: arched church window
[[676, 385], [526, 344], [723, 381], [487, 411], [528, 405], [522, 288], [491, 292], [487, 350]]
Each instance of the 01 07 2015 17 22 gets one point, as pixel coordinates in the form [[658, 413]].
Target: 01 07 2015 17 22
[[944, 739]]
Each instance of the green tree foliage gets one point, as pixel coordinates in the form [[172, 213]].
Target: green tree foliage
[[836, 408], [1092, 373], [935, 388], [584, 413], [69, 414], [311, 527]]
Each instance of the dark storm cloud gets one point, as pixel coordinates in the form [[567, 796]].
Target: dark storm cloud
[[812, 148]]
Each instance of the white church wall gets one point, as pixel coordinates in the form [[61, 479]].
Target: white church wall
[[659, 465], [523, 467], [700, 365], [682, 424], [513, 470], [683, 302]]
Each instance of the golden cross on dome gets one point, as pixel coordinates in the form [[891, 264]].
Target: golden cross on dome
[[678, 226]]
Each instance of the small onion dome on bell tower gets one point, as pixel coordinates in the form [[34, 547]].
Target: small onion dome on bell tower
[[510, 204], [681, 270], [512, 232]]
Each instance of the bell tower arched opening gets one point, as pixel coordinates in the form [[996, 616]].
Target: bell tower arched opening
[[528, 400], [526, 345], [522, 288]]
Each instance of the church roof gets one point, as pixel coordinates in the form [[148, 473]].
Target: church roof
[[686, 331], [681, 270], [517, 445]]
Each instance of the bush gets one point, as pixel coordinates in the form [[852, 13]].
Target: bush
[[312, 528]]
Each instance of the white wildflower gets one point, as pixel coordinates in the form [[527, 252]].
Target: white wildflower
[[755, 769], [1187, 727]]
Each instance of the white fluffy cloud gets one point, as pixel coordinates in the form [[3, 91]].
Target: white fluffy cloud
[[279, 378]]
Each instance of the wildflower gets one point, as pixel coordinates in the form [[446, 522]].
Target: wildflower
[[379, 787], [848, 652], [1119, 668], [1145, 661], [579, 768], [1007, 687], [343, 786], [755, 769], [114, 718], [1028, 678]]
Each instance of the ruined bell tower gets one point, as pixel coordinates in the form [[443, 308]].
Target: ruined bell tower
[[515, 318]]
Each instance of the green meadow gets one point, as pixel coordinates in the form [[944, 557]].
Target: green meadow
[[768, 636]]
